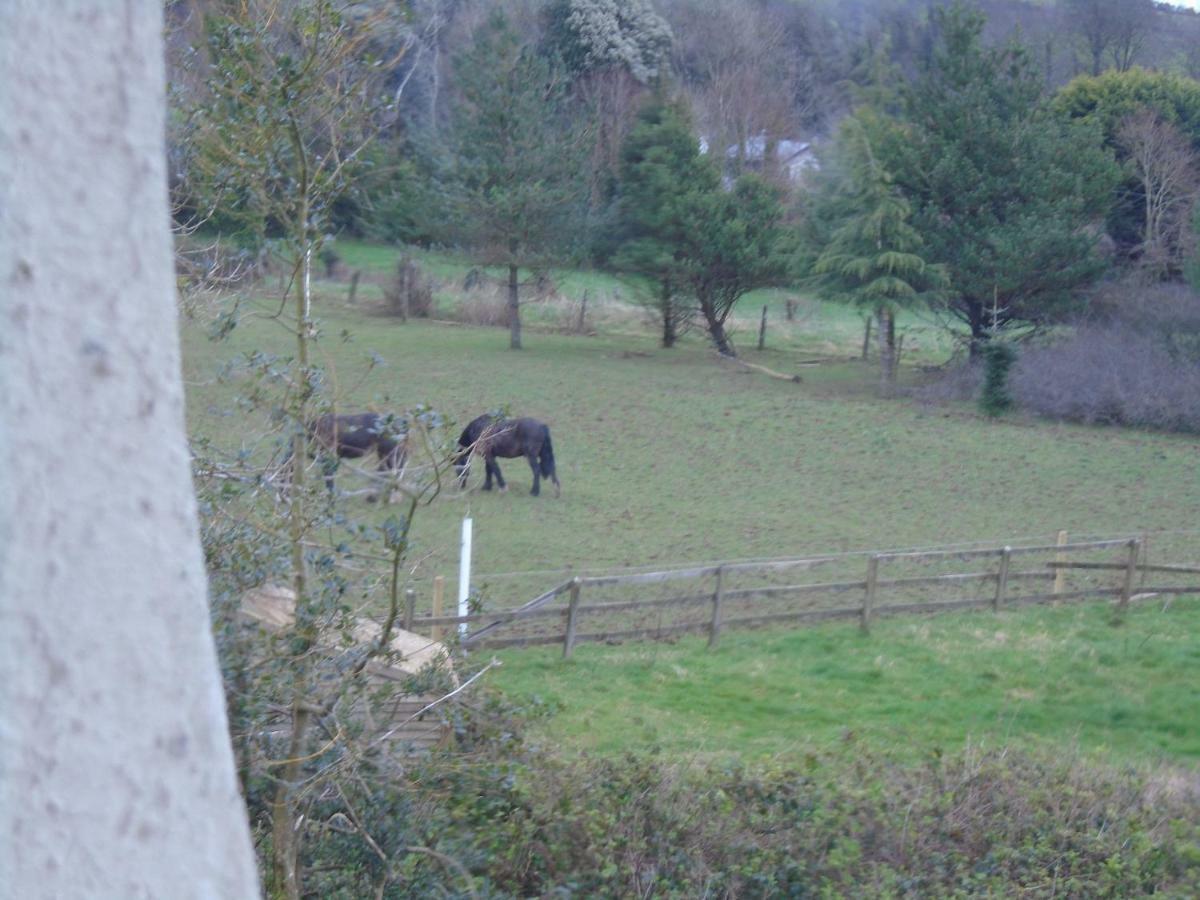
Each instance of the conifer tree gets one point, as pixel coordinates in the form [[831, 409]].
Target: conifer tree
[[516, 182], [873, 257], [661, 166]]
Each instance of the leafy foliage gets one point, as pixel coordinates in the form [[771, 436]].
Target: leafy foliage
[[998, 359], [662, 170], [1110, 99], [594, 34], [1002, 191], [517, 181]]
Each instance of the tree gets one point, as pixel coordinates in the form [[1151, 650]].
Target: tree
[[613, 50], [661, 164], [1169, 179], [1003, 192], [1111, 99], [516, 179], [735, 244], [118, 776], [1116, 29], [291, 101], [872, 258]]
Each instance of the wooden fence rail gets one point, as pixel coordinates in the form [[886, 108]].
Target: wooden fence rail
[[568, 622]]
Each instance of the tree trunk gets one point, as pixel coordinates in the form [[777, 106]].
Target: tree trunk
[[514, 310], [866, 347], [887, 352], [716, 328], [118, 775], [666, 305]]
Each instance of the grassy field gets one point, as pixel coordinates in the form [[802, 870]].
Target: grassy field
[[1025, 678], [668, 457]]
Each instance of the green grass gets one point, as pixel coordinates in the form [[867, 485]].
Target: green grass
[[668, 457], [671, 456], [1025, 678]]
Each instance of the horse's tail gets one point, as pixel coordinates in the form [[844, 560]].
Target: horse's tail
[[546, 458]]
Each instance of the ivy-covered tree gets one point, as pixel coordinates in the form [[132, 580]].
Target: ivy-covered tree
[[516, 181], [872, 258], [1003, 192], [661, 165]]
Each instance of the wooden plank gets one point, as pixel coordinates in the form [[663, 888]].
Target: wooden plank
[[572, 620], [1060, 577], [780, 565], [535, 603], [931, 555], [648, 577], [1135, 549], [1115, 567], [410, 608], [1071, 548], [869, 593], [1002, 579], [714, 628], [498, 617], [531, 640], [812, 615]]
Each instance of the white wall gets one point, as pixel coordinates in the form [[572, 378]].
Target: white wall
[[116, 776]]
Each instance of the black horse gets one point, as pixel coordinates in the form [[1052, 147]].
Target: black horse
[[353, 436], [491, 436]]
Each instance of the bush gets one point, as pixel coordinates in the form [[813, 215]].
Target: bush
[[998, 359], [517, 823], [1137, 362]]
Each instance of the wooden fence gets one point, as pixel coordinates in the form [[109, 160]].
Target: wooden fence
[[742, 594]]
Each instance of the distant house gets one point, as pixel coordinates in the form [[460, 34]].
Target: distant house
[[793, 158]]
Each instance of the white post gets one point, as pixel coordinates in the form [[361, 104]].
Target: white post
[[464, 575]]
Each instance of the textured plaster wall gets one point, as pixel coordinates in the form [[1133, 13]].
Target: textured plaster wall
[[116, 776]]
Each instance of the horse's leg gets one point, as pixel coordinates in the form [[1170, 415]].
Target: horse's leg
[[499, 477], [489, 465], [532, 457]]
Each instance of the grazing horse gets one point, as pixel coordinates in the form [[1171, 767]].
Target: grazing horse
[[493, 436], [353, 436]]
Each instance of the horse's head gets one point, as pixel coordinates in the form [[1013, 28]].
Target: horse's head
[[462, 464]]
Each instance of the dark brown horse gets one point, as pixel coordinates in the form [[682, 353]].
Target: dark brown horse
[[491, 436], [353, 436]]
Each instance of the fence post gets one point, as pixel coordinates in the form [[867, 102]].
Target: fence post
[[869, 596], [572, 619], [762, 330], [439, 589], [714, 629], [1060, 574], [1135, 547], [410, 608], [1002, 579]]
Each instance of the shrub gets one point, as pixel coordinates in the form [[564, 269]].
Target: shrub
[[519, 823], [1137, 362], [998, 359]]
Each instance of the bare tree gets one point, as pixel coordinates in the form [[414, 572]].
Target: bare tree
[[746, 78], [1168, 173], [1114, 30]]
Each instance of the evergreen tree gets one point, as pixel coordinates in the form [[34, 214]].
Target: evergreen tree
[[1002, 191], [516, 182], [661, 167], [872, 258], [734, 244]]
